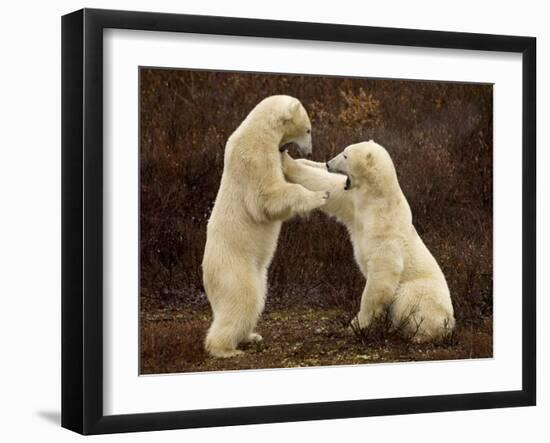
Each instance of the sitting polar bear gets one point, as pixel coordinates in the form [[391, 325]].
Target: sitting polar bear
[[401, 273], [242, 233]]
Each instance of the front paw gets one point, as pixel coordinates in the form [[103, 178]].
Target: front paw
[[312, 200], [354, 325], [321, 198], [286, 162], [359, 322]]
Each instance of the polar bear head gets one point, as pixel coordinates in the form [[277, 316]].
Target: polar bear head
[[367, 165], [289, 120]]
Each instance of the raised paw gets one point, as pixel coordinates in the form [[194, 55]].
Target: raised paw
[[286, 161], [313, 200], [321, 198]]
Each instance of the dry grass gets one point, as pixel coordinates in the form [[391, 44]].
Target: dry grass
[[294, 338], [439, 136]]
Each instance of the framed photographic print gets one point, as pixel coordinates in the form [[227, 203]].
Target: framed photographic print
[[269, 221]]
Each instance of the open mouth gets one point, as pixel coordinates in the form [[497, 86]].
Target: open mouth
[[286, 147], [348, 183], [294, 150]]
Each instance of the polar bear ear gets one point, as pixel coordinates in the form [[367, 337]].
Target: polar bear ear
[[290, 111]]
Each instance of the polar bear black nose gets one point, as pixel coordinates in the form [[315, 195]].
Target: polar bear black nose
[[327, 165]]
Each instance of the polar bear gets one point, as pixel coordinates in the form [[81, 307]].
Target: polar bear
[[401, 273], [252, 202]]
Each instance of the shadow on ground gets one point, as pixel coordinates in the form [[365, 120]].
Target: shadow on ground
[[53, 417]]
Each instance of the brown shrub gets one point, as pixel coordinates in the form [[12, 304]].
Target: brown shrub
[[360, 109]]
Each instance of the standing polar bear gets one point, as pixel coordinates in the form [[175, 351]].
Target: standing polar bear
[[401, 273], [252, 202]]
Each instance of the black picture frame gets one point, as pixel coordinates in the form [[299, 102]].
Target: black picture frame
[[82, 220]]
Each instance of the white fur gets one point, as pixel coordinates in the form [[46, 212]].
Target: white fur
[[401, 272], [252, 201]]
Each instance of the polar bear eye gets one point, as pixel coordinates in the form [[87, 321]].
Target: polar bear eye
[[345, 157], [309, 131]]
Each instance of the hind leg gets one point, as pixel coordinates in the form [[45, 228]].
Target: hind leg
[[252, 336], [423, 310], [236, 313], [223, 337]]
